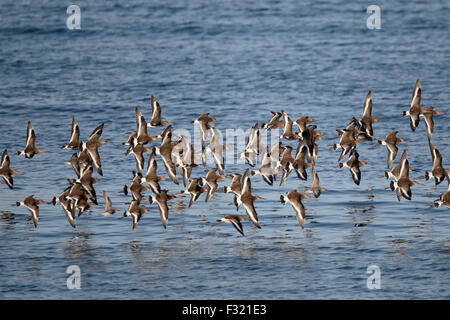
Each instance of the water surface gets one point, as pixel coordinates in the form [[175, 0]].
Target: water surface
[[238, 61]]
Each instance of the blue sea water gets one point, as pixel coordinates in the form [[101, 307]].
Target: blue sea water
[[238, 60]]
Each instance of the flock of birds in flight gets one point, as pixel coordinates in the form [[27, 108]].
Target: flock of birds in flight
[[179, 154]]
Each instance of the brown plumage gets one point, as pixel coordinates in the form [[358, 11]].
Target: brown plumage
[[295, 199], [195, 190], [437, 172], [74, 142], [365, 123], [287, 127], [30, 148], [414, 110], [315, 189], [92, 146], [156, 114], [444, 200], [109, 210], [204, 123], [5, 171], [347, 141], [135, 211], [165, 151], [235, 187], [354, 164], [302, 122], [141, 129], [235, 221], [161, 200], [210, 181], [390, 142], [286, 163], [274, 122], [151, 176], [428, 115], [138, 150], [66, 205], [247, 199], [403, 185], [32, 205]]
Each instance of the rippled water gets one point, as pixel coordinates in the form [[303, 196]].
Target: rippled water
[[237, 61]]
